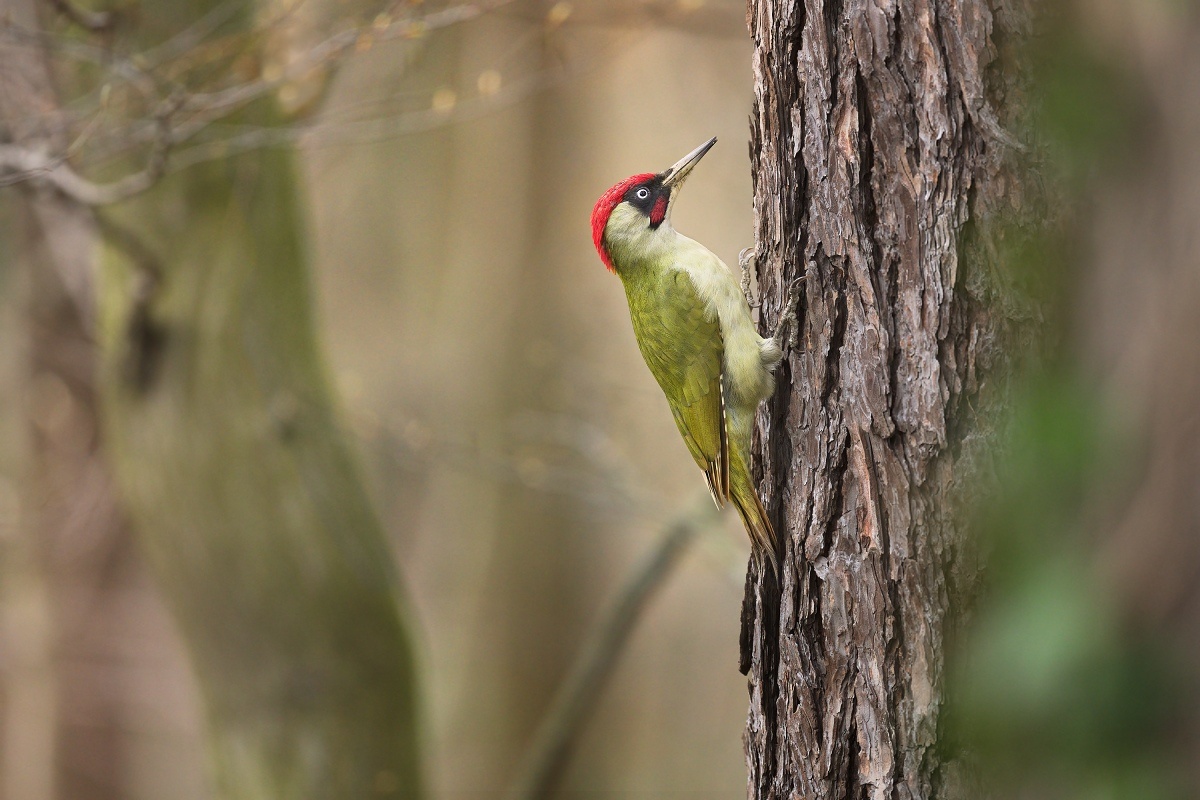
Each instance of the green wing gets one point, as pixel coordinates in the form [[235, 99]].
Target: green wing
[[681, 343]]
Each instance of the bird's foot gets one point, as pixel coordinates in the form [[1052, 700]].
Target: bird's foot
[[746, 262], [786, 329]]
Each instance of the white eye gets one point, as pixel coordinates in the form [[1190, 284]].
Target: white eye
[[642, 193]]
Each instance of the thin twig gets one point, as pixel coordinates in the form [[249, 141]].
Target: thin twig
[[214, 105], [19, 164], [352, 132], [552, 743], [83, 17], [192, 35], [82, 51]]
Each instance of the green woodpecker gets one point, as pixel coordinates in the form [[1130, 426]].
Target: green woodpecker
[[693, 326]]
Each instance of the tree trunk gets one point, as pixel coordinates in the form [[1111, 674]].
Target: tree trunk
[[251, 508], [873, 146], [230, 456]]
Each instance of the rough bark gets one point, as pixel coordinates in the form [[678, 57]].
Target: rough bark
[[873, 145]]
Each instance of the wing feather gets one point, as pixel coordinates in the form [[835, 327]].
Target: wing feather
[[680, 339]]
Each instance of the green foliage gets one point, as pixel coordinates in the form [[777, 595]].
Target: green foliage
[[1086, 109], [1051, 690], [1054, 693]]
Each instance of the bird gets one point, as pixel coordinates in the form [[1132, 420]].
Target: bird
[[693, 327]]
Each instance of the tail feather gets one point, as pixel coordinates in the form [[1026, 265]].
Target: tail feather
[[719, 493], [754, 517]]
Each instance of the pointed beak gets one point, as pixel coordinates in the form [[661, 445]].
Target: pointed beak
[[677, 174]]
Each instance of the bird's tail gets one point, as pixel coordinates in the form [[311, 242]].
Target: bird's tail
[[754, 516]]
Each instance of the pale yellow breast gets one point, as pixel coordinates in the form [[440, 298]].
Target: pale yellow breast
[[748, 378]]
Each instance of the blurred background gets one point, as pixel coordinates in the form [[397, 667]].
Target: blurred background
[[516, 448]]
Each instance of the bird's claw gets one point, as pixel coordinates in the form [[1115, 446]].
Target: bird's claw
[[746, 262]]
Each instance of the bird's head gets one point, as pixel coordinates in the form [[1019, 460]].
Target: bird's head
[[629, 218]]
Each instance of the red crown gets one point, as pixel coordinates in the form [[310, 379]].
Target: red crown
[[604, 208]]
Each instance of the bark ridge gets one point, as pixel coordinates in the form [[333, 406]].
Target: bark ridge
[[873, 144]]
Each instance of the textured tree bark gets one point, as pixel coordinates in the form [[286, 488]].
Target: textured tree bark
[[873, 145]]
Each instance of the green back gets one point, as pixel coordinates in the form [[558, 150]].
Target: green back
[[682, 345]]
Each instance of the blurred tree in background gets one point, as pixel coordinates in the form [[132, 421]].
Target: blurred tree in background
[[222, 438], [1078, 675], [77, 539]]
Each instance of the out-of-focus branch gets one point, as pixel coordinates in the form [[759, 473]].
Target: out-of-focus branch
[[84, 17], [193, 112], [214, 105], [188, 114], [552, 743], [22, 164], [595, 475], [78, 50], [363, 131]]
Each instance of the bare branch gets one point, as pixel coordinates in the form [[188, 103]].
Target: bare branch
[[184, 116], [589, 477], [215, 105], [200, 110], [83, 17], [145, 84], [363, 131], [20, 165], [193, 35], [552, 743]]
